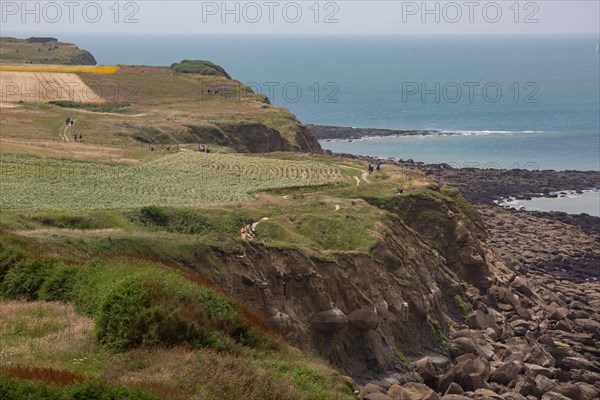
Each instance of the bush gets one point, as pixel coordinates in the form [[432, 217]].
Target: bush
[[191, 223], [155, 214], [25, 279], [59, 284], [14, 389], [200, 67], [137, 303], [9, 257], [102, 391]]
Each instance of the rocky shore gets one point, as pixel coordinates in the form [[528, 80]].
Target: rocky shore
[[560, 244], [323, 132], [525, 338], [535, 333]]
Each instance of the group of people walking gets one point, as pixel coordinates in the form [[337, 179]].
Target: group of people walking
[[70, 125], [202, 148], [249, 223], [248, 229], [377, 167]]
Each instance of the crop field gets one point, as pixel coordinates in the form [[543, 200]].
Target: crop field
[[181, 179], [41, 87]]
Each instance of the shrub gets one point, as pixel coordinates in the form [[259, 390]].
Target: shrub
[[59, 284], [155, 214], [9, 257], [25, 279], [97, 390], [137, 303], [200, 67], [191, 223], [14, 389]]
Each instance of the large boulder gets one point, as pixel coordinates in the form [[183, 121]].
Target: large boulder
[[281, 322], [427, 371], [454, 388], [364, 318], [415, 391], [512, 396], [545, 384], [463, 345], [579, 363], [554, 396], [370, 388], [521, 285], [377, 396], [539, 356], [480, 320], [470, 374], [569, 390], [506, 372], [329, 321], [559, 314], [486, 394]]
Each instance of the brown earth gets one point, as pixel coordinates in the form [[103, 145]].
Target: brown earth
[[42, 87]]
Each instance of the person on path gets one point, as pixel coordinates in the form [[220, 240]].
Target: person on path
[[378, 165], [370, 168]]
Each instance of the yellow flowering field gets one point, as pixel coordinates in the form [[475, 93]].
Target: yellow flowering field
[[89, 69]]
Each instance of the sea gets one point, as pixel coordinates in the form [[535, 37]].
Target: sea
[[495, 101]]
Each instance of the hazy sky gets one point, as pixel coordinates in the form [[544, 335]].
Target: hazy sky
[[301, 17]]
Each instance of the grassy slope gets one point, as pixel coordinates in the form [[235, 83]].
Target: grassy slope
[[161, 107], [305, 218], [14, 50], [320, 221]]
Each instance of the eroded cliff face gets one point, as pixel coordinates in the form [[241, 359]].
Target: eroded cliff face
[[249, 137], [364, 312]]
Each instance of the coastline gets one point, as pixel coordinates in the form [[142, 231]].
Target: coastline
[[565, 246], [325, 132]]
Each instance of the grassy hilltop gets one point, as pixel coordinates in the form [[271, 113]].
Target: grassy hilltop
[[155, 105], [124, 271], [13, 50]]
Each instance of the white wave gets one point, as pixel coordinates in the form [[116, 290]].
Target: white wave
[[483, 132]]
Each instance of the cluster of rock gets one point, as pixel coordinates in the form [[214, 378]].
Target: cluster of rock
[[484, 185], [534, 243], [524, 339]]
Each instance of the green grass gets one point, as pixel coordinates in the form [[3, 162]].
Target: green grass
[[16, 389], [199, 67], [19, 51], [438, 334], [181, 179], [464, 308], [405, 360]]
